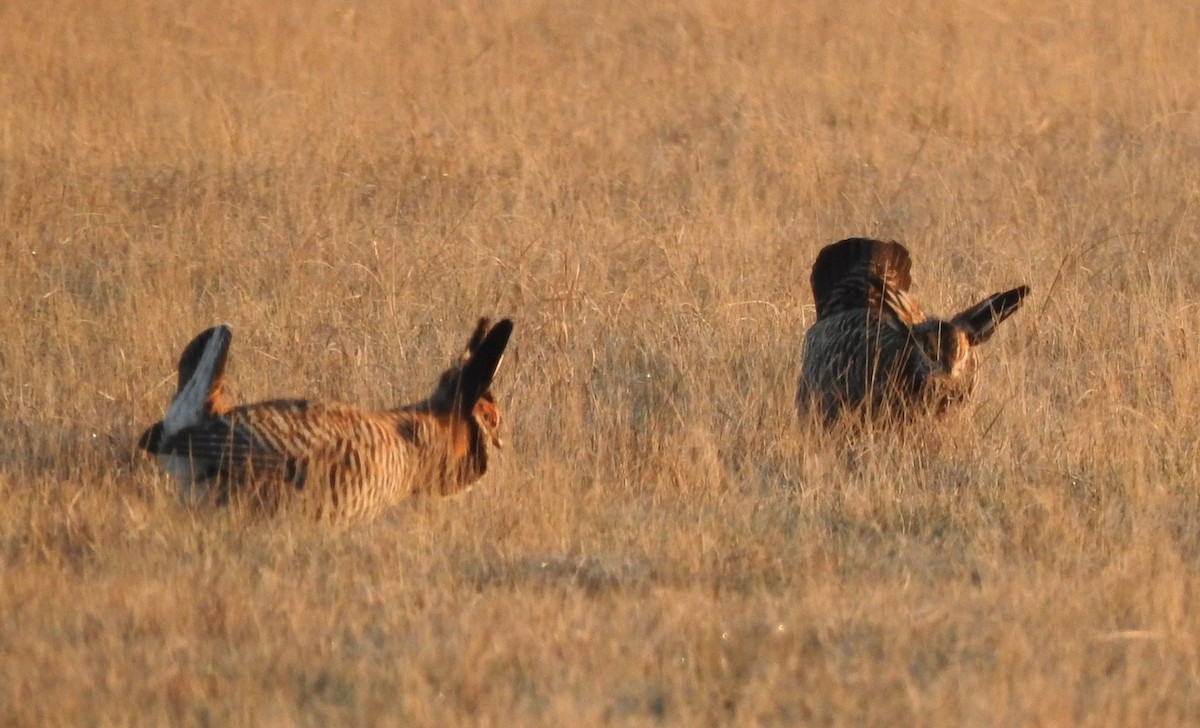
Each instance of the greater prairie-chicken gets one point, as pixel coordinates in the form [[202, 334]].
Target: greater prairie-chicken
[[872, 351], [329, 462]]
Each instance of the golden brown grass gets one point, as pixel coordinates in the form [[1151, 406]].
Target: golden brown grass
[[643, 187]]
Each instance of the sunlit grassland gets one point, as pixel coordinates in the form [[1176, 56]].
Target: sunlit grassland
[[642, 187]]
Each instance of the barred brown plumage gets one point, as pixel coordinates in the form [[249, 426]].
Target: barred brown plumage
[[873, 352], [329, 462]]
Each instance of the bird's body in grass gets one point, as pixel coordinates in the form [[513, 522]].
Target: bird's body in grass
[[327, 461], [872, 352]]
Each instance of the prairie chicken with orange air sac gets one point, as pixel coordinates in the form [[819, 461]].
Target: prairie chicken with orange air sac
[[873, 352], [329, 462]]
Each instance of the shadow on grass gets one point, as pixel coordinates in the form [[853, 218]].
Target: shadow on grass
[[594, 575]]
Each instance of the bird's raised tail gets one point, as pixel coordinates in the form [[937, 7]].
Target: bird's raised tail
[[980, 321], [200, 392]]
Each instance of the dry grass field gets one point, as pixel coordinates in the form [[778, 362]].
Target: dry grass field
[[642, 187]]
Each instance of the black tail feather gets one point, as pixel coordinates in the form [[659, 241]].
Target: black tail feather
[[980, 320]]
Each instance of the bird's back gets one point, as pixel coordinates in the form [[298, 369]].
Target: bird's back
[[856, 359], [328, 462]]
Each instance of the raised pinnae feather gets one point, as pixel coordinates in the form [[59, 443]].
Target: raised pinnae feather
[[479, 371], [463, 385], [481, 330]]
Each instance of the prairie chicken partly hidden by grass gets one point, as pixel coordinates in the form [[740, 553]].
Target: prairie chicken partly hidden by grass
[[329, 462], [873, 352]]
